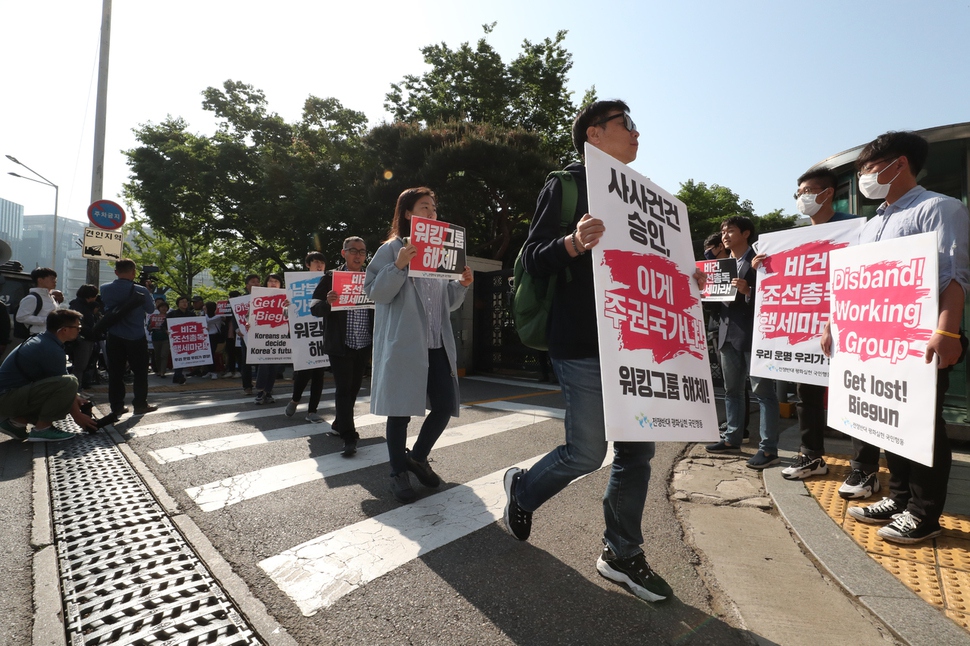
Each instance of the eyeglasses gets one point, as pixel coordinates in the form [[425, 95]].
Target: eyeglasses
[[358, 252], [627, 121], [871, 167], [810, 191], [71, 327]]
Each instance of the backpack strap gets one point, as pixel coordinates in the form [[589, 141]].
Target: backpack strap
[[570, 197], [40, 303]]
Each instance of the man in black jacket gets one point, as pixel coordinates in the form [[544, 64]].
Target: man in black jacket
[[347, 342], [573, 349], [734, 344]]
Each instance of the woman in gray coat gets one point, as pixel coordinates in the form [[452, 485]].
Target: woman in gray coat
[[414, 346]]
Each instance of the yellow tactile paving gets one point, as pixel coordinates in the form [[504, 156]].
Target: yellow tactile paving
[[921, 578], [937, 570]]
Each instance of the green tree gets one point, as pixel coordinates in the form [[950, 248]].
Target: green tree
[[180, 258], [474, 85]]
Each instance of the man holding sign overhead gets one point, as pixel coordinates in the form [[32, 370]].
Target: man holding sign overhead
[[573, 349]]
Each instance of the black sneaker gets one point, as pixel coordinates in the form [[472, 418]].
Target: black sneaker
[[517, 520], [422, 470], [350, 448], [908, 529], [635, 573], [401, 488], [805, 467], [859, 485], [880, 512], [721, 447], [762, 460]]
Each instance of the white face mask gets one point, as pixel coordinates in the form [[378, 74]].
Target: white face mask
[[807, 205], [870, 187]]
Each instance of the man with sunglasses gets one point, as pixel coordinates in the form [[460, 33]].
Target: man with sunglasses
[[347, 341], [574, 352], [888, 167], [36, 387]]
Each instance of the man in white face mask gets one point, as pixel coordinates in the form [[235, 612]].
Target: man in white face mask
[[814, 198], [888, 167]]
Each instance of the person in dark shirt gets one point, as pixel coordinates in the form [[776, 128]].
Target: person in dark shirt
[[35, 386]]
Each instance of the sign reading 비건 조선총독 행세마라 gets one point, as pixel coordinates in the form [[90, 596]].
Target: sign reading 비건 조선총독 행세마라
[[349, 286], [881, 390], [441, 249], [792, 300], [653, 349], [306, 330], [268, 340], [719, 273], [189, 340]]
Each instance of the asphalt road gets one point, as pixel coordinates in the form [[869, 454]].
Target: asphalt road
[[269, 491]]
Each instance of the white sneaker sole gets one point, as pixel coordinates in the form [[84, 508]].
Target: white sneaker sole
[[801, 474], [859, 494], [507, 482], [619, 577]]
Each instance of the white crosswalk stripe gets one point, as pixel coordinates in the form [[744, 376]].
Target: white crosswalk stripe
[[318, 572], [209, 403], [236, 489]]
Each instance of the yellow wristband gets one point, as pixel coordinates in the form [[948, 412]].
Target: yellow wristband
[[949, 334]]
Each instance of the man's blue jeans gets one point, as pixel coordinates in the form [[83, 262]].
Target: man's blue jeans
[[584, 452], [734, 368]]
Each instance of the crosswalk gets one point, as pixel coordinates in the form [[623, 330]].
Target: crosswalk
[[319, 571]]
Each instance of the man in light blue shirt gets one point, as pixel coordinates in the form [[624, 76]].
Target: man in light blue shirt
[[126, 344], [888, 167]]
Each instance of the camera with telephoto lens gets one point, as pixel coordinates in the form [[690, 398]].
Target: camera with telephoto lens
[[100, 422]]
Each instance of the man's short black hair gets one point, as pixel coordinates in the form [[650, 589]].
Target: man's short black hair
[[42, 272], [742, 222], [895, 144], [314, 255], [249, 277], [824, 176], [713, 240], [87, 291], [125, 266], [197, 298], [590, 115], [62, 318]]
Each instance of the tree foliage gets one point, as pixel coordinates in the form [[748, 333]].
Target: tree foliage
[[474, 85]]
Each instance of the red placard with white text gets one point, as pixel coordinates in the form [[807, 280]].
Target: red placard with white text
[[349, 286], [441, 249], [654, 367], [720, 273], [239, 305], [189, 340]]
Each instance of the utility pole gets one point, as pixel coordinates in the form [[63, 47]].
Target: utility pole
[[97, 171]]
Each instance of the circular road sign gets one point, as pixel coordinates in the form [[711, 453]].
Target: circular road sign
[[106, 214]]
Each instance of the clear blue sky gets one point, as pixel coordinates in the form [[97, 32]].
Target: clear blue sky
[[743, 94]]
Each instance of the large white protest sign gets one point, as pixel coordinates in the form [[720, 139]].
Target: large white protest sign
[[306, 330], [268, 340], [884, 312], [792, 300], [189, 339], [653, 350]]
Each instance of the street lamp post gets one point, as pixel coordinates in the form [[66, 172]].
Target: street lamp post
[[46, 182]]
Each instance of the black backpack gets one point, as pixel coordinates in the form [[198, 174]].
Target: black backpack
[[20, 330]]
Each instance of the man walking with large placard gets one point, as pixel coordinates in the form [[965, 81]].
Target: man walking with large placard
[[888, 167], [573, 349]]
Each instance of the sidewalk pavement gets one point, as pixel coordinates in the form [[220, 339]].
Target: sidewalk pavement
[[836, 590]]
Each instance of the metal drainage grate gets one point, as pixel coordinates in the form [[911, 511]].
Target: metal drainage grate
[[128, 576]]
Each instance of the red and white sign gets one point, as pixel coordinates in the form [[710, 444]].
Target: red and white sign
[[441, 249], [793, 299], [654, 366], [719, 275], [349, 286], [189, 340], [106, 214], [239, 305], [268, 340], [223, 309], [881, 389]]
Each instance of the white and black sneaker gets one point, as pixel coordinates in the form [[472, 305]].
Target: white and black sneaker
[[805, 467], [880, 512], [908, 529], [859, 485], [517, 520], [635, 573]]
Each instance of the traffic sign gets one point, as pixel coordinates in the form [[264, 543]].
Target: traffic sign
[[106, 214], [102, 245]]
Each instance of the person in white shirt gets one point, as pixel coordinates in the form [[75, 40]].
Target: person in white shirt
[[28, 314]]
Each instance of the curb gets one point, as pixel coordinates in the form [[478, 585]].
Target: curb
[[909, 617]]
